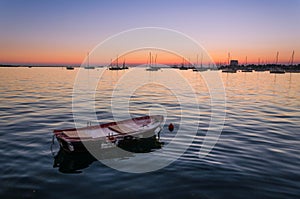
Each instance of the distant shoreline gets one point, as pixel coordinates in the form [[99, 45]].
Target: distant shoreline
[[248, 67], [35, 66]]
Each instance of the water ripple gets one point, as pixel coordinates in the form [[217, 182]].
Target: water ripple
[[257, 154]]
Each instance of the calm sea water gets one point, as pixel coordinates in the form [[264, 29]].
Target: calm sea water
[[256, 156]]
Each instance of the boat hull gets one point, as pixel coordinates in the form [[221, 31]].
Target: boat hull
[[228, 71], [108, 135], [277, 72]]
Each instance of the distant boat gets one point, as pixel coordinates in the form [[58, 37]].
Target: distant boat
[[248, 70], [199, 69], [213, 69], [88, 63], [260, 70], [108, 135], [275, 68], [116, 67], [124, 66], [89, 67], [182, 67], [151, 67], [229, 70], [277, 71], [293, 71], [70, 68]]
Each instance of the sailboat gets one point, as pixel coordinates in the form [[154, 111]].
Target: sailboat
[[69, 67], [276, 69], [197, 69], [88, 63], [293, 68], [116, 67], [182, 65], [151, 67], [124, 65], [229, 68]]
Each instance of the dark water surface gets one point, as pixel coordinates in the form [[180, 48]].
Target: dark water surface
[[257, 154]]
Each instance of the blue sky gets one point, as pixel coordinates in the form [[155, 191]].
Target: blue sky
[[53, 31]]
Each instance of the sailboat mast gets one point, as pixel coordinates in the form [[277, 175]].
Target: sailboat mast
[[152, 60], [201, 59], [150, 64], [292, 62], [228, 59], [117, 61], [88, 59], [277, 57]]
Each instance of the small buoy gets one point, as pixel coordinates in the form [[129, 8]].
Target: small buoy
[[171, 127]]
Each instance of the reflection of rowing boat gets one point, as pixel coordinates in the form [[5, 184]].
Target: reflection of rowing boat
[[108, 135], [67, 163], [75, 163]]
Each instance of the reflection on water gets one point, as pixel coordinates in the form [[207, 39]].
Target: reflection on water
[[257, 155], [75, 162], [72, 163]]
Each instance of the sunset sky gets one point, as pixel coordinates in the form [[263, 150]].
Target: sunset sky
[[62, 32]]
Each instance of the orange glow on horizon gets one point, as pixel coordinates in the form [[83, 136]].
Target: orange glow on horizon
[[142, 57]]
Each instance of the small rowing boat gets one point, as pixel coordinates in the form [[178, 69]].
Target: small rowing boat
[[108, 135]]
